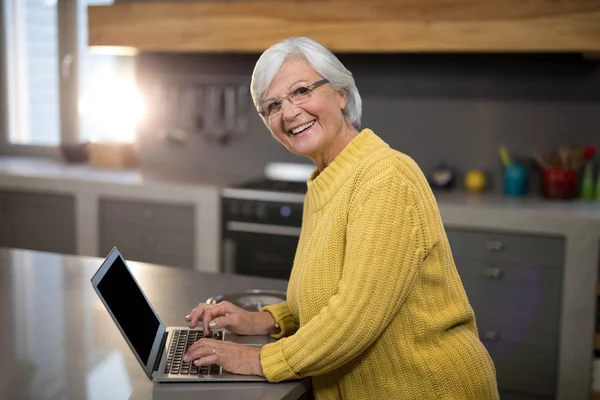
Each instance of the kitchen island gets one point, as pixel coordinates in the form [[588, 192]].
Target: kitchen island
[[523, 259], [58, 341]]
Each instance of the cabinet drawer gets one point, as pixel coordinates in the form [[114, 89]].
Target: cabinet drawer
[[505, 395], [135, 254], [505, 293], [523, 367], [38, 221], [499, 246], [40, 201], [119, 212], [151, 240]]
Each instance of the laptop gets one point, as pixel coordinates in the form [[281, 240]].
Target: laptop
[[158, 349]]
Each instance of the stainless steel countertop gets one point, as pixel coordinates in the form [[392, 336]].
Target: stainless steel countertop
[[57, 341]]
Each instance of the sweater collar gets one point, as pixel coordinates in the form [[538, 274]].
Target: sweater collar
[[322, 186]]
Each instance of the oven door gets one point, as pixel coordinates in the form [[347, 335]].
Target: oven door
[[259, 249]]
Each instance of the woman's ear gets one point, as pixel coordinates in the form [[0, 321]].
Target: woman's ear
[[342, 99]]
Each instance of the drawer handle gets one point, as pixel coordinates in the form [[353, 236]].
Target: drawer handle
[[494, 273], [150, 241], [148, 213], [494, 245], [491, 336]]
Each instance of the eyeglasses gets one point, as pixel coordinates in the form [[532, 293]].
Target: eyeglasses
[[298, 96]]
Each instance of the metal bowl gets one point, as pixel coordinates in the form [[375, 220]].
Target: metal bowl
[[251, 300]]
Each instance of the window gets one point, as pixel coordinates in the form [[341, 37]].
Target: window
[[31, 65], [55, 89]]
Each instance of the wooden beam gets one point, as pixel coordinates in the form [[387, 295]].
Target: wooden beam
[[351, 26]]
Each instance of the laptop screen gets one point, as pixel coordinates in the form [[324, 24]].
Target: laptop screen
[[126, 301]]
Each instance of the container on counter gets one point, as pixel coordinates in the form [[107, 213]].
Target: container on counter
[[515, 180], [559, 183]]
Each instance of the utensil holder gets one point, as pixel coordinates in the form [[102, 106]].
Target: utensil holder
[[559, 184]]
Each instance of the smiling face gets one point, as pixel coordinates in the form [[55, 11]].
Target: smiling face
[[316, 128]]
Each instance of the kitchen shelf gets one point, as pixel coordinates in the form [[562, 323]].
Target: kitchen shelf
[[377, 26]]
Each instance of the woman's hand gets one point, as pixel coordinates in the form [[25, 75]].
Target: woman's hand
[[233, 357], [233, 318]]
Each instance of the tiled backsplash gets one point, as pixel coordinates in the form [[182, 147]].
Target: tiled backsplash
[[456, 108]]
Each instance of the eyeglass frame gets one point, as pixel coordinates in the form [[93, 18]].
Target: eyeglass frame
[[310, 87]]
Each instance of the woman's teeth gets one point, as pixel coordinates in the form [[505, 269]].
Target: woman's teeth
[[302, 127]]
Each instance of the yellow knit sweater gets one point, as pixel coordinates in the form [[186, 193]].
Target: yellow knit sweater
[[375, 307]]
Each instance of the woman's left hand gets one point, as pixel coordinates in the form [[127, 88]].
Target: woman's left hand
[[233, 357]]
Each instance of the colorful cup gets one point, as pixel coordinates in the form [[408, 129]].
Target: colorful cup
[[515, 180]]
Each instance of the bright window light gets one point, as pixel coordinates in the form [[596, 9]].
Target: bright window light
[[113, 106]]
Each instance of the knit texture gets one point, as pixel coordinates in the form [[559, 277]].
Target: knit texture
[[375, 307]]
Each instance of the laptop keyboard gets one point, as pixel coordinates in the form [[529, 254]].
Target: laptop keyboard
[[182, 340]]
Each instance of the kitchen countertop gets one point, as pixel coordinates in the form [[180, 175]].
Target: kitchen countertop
[[58, 341], [46, 168], [577, 221], [65, 174]]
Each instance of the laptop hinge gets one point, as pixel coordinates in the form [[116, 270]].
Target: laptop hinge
[[160, 352]]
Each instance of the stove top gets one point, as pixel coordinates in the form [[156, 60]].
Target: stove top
[[274, 186]]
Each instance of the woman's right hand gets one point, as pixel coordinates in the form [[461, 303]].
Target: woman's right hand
[[233, 318]]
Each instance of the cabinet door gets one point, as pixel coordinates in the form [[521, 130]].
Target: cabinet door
[[44, 222], [514, 284], [148, 231]]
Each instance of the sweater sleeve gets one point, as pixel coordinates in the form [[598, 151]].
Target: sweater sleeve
[[284, 319], [384, 248]]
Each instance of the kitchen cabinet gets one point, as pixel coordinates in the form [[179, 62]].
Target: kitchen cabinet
[[148, 231], [38, 221], [377, 26], [514, 284]]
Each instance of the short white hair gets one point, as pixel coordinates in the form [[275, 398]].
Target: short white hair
[[321, 59]]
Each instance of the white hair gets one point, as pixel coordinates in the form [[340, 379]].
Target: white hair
[[321, 59]]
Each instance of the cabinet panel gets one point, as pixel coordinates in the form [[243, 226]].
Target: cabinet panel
[[508, 292], [524, 367], [150, 244], [44, 222], [502, 246], [120, 212], [148, 232], [514, 284], [507, 395]]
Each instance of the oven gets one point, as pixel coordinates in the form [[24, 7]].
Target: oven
[[260, 228]]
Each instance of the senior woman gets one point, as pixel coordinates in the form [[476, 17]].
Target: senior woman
[[375, 307]]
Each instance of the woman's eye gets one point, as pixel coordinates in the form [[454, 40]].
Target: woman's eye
[[273, 106], [302, 90]]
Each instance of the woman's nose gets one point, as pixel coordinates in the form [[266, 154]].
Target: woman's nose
[[289, 110]]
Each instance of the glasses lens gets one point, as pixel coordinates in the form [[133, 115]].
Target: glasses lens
[[299, 95], [271, 108]]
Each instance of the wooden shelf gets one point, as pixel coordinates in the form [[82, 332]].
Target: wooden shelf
[[350, 26]]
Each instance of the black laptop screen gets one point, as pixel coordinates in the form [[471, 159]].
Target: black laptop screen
[[130, 308]]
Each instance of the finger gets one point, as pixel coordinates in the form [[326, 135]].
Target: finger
[[216, 310], [202, 348], [196, 315], [201, 343], [220, 322], [212, 359]]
